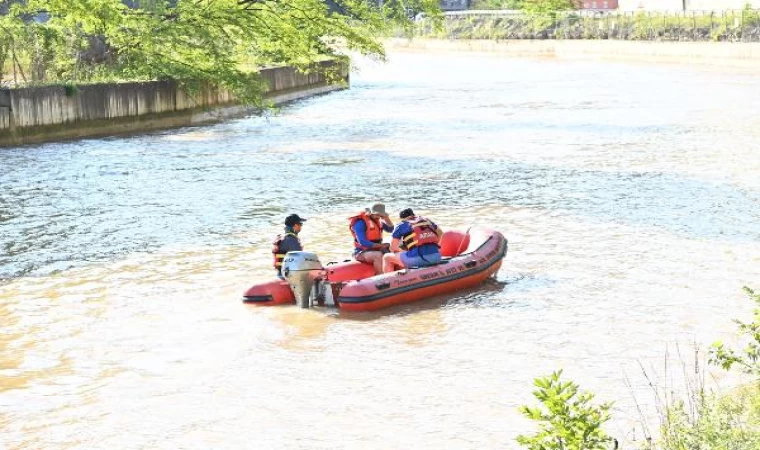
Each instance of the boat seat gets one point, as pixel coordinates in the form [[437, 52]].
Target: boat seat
[[445, 260]]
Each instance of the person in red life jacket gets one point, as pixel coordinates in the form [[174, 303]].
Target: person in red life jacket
[[367, 229], [415, 243], [288, 241]]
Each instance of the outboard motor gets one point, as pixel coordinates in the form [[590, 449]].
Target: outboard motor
[[302, 270]]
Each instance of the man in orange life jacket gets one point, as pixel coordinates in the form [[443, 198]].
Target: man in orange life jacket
[[367, 228], [419, 238], [288, 241]]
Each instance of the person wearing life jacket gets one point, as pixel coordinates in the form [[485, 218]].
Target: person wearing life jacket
[[287, 241], [367, 229], [415, 243]]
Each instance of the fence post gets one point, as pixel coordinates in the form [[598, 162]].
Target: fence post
[[532, 27], [681, 16], [712, 15], [607, 26], [725, 24], [632, 23]]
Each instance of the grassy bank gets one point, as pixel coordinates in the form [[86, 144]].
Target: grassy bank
[[690, 26], [692, 413]]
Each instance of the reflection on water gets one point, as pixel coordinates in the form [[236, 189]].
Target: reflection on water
[[630, 199]]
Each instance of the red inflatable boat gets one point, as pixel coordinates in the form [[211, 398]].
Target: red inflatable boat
[[469, 258]]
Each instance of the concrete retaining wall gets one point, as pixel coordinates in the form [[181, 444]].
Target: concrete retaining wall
[[39, 114]]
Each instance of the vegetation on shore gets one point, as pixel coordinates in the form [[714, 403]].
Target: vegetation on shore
[[534, 23], [697, 419], [192, 41], [530, 6]]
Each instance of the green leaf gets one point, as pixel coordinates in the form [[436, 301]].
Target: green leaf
[[567, 419]]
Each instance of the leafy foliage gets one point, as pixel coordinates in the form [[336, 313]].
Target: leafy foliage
[[217, 41], [497, 4], [547, 6], [730, 422], [530, 6], [568, 419], [705, 420], [749, 358], [733, 26]]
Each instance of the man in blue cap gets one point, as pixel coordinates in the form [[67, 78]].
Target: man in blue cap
[[288, 241]]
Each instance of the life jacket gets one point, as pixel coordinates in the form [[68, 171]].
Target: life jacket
[[422, 233], [278, 255], [374, 231]]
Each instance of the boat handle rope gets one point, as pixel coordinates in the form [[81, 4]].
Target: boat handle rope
[[467, 233]]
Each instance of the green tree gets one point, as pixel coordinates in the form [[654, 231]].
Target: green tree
[[217, 41], [568, 420]]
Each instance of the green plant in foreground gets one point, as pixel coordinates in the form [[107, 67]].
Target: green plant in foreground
[[568, 420], [706, 420], [749, 358], [726, 422]]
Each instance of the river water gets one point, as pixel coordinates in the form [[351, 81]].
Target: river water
[[630, 195]]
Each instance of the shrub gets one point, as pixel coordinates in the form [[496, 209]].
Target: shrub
[[568, 420], [749, 358]]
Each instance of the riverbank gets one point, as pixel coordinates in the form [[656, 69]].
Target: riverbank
[[51, 113], [730, 55]]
